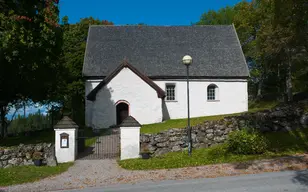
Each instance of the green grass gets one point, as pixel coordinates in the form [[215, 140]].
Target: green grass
[[47, 136], [182, 123], [261, 105], [23, 174], [281, 144], [179, 123], [306, 107], [91, 137], [292, 141], [90, 141]]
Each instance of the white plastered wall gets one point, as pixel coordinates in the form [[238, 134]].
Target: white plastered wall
[[89, 86], [144, 105], [232, 97], [130, 142], [66, 154]]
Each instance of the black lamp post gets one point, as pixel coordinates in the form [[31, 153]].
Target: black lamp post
[[187, 60]]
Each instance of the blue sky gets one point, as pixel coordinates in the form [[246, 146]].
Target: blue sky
[[151, 12], [29, 110]]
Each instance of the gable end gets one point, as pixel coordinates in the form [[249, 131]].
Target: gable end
[[92, 95]]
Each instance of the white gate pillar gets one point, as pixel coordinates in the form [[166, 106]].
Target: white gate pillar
[[66, 140], [130, 138]]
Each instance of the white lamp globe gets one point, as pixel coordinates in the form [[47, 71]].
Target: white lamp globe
[[187, 60]]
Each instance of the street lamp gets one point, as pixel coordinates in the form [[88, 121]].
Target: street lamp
[[187, 60]]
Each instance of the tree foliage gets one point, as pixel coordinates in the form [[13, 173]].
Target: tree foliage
[[31, 43], [72, 90], [273, 34], [32, 122], [223, 16]]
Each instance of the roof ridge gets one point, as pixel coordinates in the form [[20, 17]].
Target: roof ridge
[[120, 25]]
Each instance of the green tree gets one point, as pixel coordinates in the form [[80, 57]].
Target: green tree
[[283, 39], [273, 34], [247, 25], [223, 16], [32, 122], [72, 89], [30, 46]]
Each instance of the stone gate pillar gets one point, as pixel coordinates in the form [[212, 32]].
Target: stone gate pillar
[[130, 138], [66, 140]]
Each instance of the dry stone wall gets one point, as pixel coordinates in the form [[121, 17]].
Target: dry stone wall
[[281, 118], [22, 155]]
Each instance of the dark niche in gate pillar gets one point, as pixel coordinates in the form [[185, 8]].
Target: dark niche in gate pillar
[[64, 140]]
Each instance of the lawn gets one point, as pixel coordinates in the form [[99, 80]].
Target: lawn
[[281, 144], [182, 123], [46, 136], [91, 137], [179, 123], [23, 174], [261, 105]]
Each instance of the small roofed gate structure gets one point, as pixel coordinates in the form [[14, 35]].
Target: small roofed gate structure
[[65, 140], [98, 144]]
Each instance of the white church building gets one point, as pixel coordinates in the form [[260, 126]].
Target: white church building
[[138, 71]]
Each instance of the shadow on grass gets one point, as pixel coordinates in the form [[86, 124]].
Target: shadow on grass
[[288, 141], [86, 153], [35, 137], [283, 145]]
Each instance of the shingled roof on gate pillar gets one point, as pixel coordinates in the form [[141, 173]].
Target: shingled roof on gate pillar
[[157, 51], [66, 123], [130, 122]]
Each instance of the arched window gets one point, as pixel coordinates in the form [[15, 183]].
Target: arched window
[[212, 92]]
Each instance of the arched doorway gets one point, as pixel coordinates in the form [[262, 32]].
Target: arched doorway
[[122, 109]]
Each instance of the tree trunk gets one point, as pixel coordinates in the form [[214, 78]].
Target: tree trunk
[[289, 80], [259, 92], [3, 124], [278, 84], [24, 104], [52, 123], [260, 85]]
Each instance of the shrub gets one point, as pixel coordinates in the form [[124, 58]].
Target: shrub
[[246, 142]]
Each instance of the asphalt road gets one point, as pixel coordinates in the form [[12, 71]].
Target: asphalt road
[[287, 181]]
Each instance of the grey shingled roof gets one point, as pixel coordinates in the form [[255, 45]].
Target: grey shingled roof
[[157, 51], [130, 122], [66, 123]]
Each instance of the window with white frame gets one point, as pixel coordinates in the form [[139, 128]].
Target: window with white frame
[[212, 92], [170, 92]]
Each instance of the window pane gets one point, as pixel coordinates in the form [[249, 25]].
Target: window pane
[[170, 90], [211, 93]]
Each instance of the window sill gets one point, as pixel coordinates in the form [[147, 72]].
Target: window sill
[[171, 101], [213, 101]]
